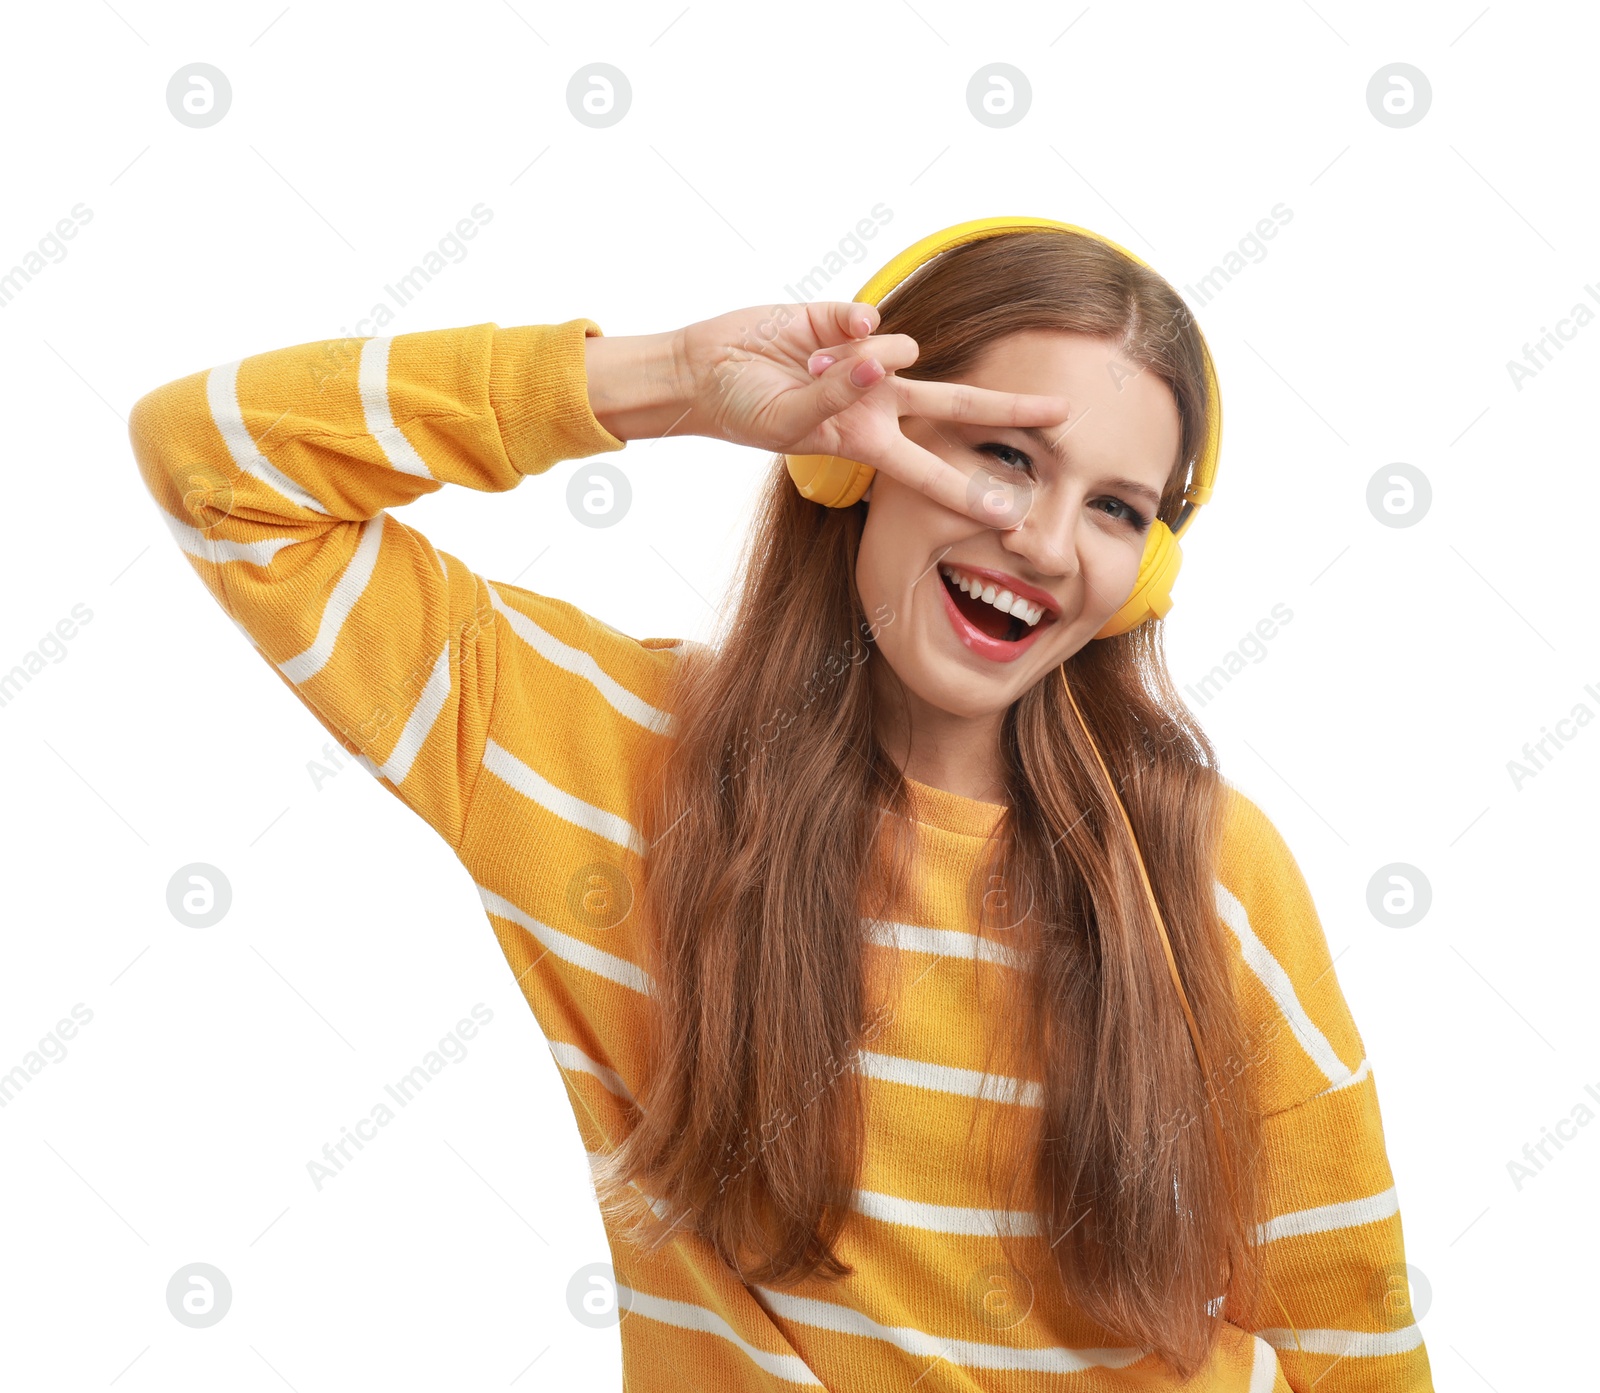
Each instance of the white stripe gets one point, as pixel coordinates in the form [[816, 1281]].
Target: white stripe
[[1362, 1070], [373, 376], [1264, 1368], [949, 943], [945, 1078], [430, 702], [582, 664], [349, 588], [571, 1057], [945, 1218], [217, 549], [1279, 986], [685, 1316], [222, 396], [570, 949], [504, 765], [1323, 1217], [846, 1320], [1356, 1343]]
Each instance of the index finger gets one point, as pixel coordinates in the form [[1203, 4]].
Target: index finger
[[958, 401]]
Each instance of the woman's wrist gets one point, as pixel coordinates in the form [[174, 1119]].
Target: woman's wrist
[[638, 384]]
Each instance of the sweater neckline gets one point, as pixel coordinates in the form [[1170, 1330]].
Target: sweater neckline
[[952, 812]]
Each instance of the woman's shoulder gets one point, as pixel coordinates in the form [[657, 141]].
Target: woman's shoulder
[[1260, 887], [1266, 904], [1251, 843], [1251, 847]]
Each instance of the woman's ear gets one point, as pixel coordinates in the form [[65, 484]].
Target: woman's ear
[[867, 496]]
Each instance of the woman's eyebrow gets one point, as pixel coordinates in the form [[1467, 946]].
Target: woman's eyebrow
[[1127, 485]]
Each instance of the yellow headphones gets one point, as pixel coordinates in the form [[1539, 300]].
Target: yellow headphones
[[836, 482]]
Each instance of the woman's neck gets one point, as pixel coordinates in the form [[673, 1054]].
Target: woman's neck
[[958, 754], [985, 788]]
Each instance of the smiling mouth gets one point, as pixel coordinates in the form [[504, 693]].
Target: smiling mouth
[[1007, 628]]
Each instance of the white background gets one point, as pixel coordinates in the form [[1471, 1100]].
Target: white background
[[1376, 729]]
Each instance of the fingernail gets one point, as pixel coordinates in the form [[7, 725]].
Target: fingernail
[[863, 327], [820, 363], [866, 372]]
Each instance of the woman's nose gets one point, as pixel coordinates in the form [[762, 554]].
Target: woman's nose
[[1047, 535]]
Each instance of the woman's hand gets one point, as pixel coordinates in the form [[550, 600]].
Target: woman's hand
[[749, 377]]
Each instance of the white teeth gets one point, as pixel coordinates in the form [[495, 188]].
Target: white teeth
[[1002, 600]]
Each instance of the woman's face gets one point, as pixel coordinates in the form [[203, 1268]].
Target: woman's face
[[1076, 552]]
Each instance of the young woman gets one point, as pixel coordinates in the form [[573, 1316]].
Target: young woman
[[835, 927]]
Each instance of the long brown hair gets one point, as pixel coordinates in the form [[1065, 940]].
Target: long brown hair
[[768, 848]]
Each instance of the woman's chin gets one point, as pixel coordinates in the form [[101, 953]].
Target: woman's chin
[[951, 680]]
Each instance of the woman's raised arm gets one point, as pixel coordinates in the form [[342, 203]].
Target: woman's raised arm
[[275, 474]]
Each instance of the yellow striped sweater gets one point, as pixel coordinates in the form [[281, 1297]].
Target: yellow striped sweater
[[511, 722]]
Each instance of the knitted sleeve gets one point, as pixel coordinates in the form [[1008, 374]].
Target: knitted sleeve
[[275, 474], [1338, 1305], [1335, 1303]]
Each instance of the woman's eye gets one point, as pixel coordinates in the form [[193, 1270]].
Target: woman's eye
[[1017, 455], [1129, 513]]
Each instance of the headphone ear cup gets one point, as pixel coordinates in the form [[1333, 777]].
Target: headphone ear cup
[[831, 480], [1151, 596]]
